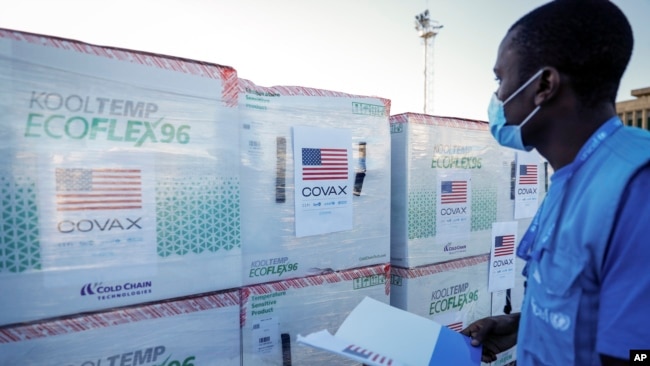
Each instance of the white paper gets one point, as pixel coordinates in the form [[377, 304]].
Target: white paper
[[414, 340], [454, 207], [323, 180], [502, 256], [327, 342], [527, 184]]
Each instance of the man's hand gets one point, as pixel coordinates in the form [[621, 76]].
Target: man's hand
[[495, 333]]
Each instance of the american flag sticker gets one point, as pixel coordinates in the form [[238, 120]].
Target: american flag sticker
[[324, 164], [453, 191], [528, 174], [504, 245], [98, 189], [457, 326]]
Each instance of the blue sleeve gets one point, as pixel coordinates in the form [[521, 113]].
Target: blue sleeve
[[624, 314]]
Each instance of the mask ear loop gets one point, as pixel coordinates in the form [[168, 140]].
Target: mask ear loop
[[532, 78], [529, 117]]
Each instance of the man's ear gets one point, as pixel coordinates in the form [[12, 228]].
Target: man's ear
[[548, 85]]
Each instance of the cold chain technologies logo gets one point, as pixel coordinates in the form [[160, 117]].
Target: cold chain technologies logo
[[451, 249], [117, 291], [76, 117], [152, 356]]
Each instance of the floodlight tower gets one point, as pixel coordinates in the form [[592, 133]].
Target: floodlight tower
[[427, 30]]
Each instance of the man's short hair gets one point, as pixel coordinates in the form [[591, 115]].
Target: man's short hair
[[589, 40]]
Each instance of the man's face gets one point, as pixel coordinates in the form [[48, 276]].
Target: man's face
[[506, 70]]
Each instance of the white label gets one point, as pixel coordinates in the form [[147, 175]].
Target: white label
[[266, 336]]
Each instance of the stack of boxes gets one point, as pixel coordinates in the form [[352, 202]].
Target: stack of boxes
[[119, 184], [448, 175], [451, 183], [124, 212], [510, 301], [313, 246], [157, 210]]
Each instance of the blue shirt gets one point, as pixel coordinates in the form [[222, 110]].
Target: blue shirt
[[624, 314], [587, 290]]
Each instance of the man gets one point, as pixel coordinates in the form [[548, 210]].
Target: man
[[587, 293]]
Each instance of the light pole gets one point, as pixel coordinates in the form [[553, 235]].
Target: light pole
[[427, 30]]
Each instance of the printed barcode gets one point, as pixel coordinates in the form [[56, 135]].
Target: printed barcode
[[256, 326], [265, 340]]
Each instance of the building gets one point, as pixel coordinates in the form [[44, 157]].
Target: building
[[636, 112]]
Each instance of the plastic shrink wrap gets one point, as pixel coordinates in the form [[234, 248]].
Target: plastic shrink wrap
[[200, 330], [119, 177], [451, 182], [453, 293], [449, 177], [273, 314], [295, 224]]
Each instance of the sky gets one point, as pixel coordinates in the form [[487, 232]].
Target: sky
[[363, 47]]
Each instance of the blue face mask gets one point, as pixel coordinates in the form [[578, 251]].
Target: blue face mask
[[509, 135]]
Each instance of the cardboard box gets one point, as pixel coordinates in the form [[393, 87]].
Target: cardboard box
[[448, 178], [273, 314], [119, 177], [273, 249], [201, 330], [452, 293]]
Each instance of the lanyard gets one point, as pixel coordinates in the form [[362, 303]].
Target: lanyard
[[525, 248]]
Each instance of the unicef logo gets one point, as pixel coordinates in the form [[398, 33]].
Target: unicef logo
[[560, 321]]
